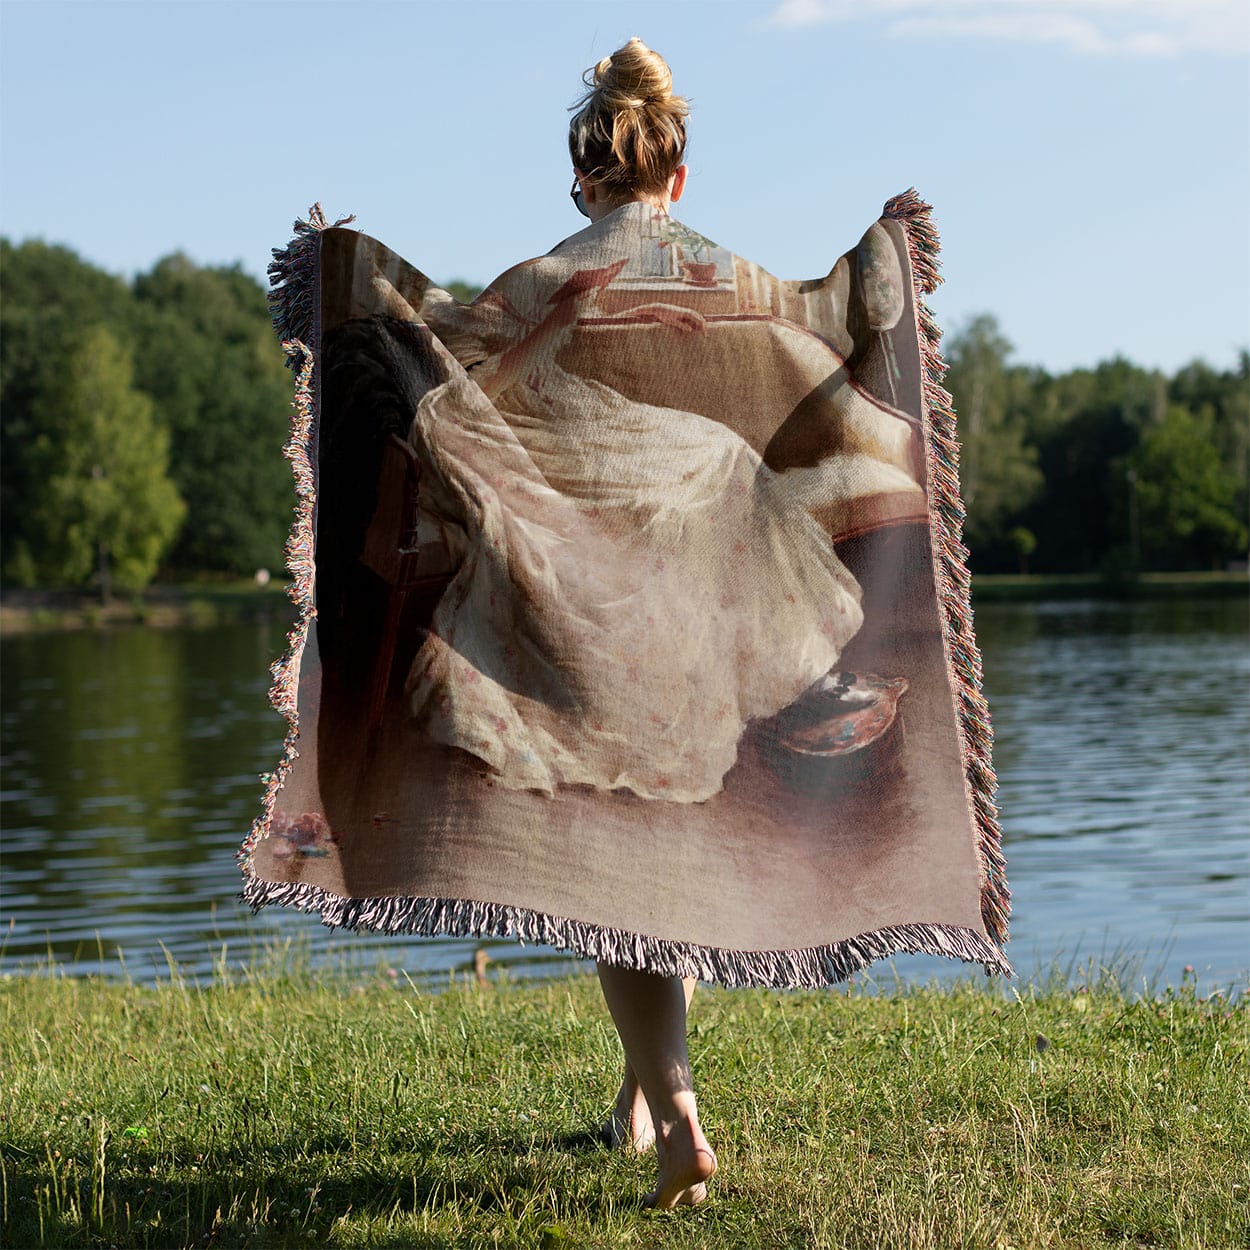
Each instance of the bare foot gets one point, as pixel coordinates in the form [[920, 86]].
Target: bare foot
[[686, 1165], [629, 1125]]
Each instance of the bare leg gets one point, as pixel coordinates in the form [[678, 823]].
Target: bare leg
[[650, 1015], [629, 1124]]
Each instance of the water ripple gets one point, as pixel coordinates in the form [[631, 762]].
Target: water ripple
[[131, 760]]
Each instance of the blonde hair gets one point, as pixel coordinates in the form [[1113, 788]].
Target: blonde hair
[[629, 133]]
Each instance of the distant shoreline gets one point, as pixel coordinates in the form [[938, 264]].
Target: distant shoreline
[[1001, 587], [198, 604], [174, 605]]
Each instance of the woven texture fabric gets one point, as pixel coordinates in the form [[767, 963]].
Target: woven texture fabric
[[633, 614]]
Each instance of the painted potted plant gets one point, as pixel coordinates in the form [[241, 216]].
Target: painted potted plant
[[696, 268]]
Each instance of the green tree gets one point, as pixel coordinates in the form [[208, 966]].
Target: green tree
[[997, 467], [465, 292], [1185, 495], [51, 297], [1023, 543], [1086, 424], [208, 357], [105, 507], [1222, 398]]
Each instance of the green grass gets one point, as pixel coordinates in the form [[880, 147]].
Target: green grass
[[279, 1107]]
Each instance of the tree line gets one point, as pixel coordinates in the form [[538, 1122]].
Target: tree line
[[1112, 470], [142, 422]]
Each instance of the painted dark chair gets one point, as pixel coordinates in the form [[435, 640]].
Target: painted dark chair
[[407, 549]]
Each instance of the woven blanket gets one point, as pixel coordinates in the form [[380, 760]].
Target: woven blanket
[[633, 614]]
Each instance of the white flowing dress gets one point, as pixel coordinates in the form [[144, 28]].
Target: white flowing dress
[[635, 584]]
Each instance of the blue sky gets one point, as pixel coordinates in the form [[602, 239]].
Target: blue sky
[[1088, 160]]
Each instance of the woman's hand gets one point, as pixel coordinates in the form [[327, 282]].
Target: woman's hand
[[673, 315]]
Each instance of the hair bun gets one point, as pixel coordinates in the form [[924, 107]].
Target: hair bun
[[634, 76], [629, 131]]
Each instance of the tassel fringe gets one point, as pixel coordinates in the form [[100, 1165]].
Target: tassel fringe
[[295, 304], [294, 281], [808, 968], [954, 584]]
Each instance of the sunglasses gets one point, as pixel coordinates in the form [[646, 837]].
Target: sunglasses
[[576, 196]]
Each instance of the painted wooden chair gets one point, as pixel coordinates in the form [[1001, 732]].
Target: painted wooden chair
[[407, 548]]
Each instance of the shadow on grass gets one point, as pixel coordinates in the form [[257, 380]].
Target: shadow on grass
[[266, 1197]]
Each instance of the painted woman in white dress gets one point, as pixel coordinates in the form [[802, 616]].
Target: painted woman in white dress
[[638, 584]]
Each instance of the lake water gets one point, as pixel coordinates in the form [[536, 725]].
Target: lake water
[[130, 761]]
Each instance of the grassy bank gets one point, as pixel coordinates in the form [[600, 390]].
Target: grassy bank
[[213, 603], [289, 1109], [190, 603], [996, 587]]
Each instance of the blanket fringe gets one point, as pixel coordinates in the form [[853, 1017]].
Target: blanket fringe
[[295, 292], [294, 302], [807, 968], [951, 564]]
